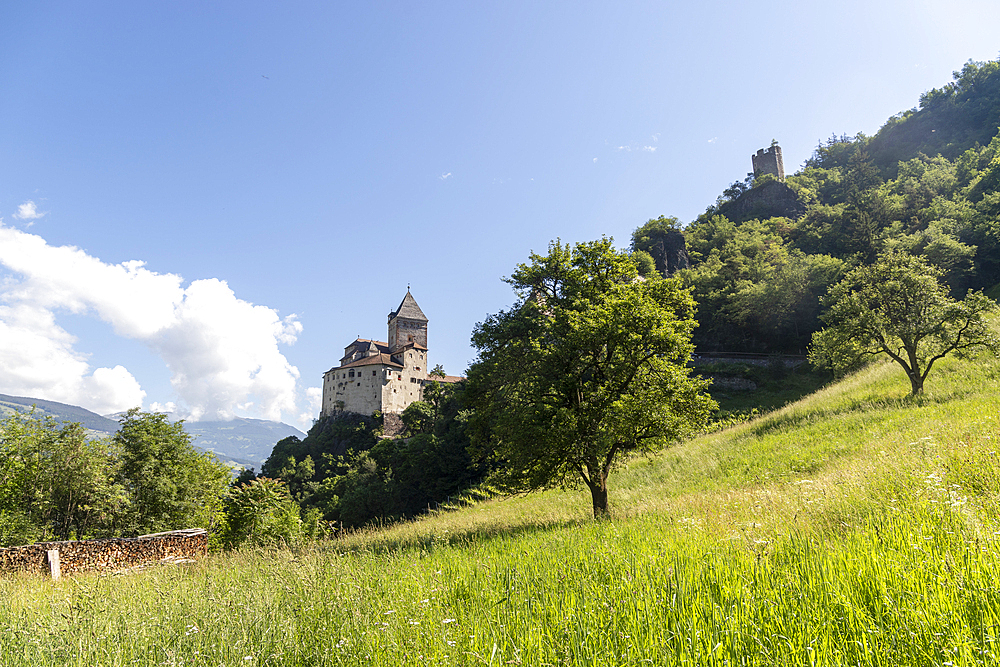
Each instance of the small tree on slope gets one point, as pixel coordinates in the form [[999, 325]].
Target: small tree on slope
[[898, 307], [588, 366]]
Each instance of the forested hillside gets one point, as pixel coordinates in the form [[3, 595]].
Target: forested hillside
[[926, 184]]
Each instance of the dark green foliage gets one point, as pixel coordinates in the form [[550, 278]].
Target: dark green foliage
[[755, 290], [346, 472], [418, 417], [246, 476], [325, 453]]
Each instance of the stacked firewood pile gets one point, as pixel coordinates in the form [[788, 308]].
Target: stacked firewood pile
[[110, 554]]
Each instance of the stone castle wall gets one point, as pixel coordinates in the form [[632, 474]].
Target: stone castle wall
[[406, 384], [358, 388]]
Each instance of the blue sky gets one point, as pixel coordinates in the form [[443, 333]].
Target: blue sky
[[203, 203]]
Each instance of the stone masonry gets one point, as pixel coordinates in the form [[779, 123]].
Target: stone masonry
[[386, 377], [769, 162]]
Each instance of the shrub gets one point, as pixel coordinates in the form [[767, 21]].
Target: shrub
[[260, 513]]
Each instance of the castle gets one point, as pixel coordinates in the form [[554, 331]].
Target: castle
[[769, 162], [386, 377]]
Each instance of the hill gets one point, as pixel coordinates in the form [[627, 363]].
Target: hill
[[926, 184], [243, 441], [60, 411], [856, 526]]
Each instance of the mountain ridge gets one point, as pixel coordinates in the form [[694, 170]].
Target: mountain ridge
[[242, 440]]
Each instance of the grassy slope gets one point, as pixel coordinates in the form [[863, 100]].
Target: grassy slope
[[855, 526]]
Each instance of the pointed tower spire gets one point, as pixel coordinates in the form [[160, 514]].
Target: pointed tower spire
[[407, 324]]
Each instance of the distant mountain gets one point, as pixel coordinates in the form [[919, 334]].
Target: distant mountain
[[247, 442], [61, 411]]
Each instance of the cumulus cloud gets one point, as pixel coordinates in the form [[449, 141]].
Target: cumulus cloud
[[649, 149], [445, 176], [314, 401], [713, 140], [222, 352], [37, 359], [28, 211]]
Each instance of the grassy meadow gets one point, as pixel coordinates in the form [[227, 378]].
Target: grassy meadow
[[856, 526]]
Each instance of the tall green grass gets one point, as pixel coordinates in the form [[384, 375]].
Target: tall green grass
[[857, 526]]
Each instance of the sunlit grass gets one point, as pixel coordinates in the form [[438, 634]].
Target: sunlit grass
[[858, 526]]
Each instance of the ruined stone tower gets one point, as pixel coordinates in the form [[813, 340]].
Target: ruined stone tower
[[769, 162]]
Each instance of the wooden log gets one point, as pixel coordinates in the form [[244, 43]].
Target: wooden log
[[53, 557], [108, 554]]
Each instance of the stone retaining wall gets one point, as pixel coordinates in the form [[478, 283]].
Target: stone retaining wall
[[110, 554]]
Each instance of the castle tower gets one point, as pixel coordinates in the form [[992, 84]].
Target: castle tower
[[769, 162], [407, 324]]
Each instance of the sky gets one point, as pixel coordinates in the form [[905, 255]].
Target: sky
[[202, 204]]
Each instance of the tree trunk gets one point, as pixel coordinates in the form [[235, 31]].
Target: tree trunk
[[916, 379], [599, 493]]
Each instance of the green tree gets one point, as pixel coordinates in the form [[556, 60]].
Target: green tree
[[586, 367], [898, 307], [55, 482], [418, 417], [170, 484], [260, 513]]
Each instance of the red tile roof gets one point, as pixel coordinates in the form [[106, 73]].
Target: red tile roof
[[375, 359], [447, 379]]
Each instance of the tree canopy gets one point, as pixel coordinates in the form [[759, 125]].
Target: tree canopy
[[898, 307], [170, 484], [586, 367]]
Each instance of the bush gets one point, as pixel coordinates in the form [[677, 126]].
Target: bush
[[260, 513]]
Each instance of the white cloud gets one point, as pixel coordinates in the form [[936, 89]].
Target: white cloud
[[37, 359], [222, 352], [595, 159], [314, 401], [28, 211], [167, 408], [632, 147], [713, 140], [445, 176]]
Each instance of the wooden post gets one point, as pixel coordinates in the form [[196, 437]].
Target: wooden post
[[54, 563]]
